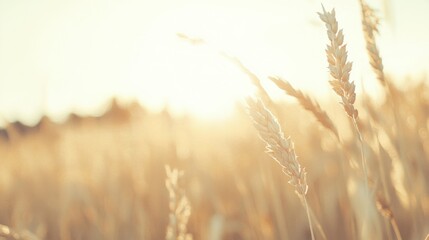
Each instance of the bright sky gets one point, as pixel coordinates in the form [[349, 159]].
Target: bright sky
[[74, 55]]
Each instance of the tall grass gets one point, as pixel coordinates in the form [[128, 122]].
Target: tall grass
[[281, 149], [339, 69], [104, 177]]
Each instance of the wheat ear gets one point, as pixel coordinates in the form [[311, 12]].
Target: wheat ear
[[281, 149], [307, 103], [370, 24], [339, 69], [180, 209]]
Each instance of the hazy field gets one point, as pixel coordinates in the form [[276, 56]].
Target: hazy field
[[104, 178], [362, 170]]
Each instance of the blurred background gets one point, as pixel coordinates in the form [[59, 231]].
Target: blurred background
[[96, 97], [58, 57]]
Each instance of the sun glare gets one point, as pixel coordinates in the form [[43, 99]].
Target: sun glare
[[194, 77], [135, 50], [189, 77]]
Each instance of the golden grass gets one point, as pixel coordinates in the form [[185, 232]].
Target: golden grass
[[105, 177]]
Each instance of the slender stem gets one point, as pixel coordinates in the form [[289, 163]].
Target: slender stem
[[309, 218], [363, 159], [317, 224], [396, 229]]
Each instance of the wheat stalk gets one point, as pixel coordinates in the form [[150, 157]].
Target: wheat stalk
[[308, 104], [340, 68], [280, 148], [180, 209], [370, 24]]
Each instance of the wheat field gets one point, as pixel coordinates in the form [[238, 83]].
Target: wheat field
[[300, 169], [104, 178]]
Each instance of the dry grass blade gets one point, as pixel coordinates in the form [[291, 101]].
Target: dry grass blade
[[191, 40], [280, 149], [308, 104]]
